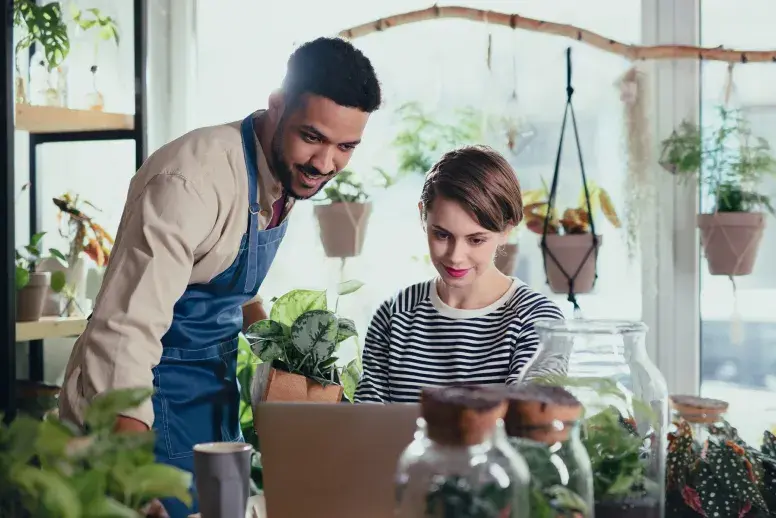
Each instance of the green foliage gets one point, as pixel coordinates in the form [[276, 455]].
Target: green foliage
[[30, 256], [105, 27], [45, 25], [550, 498], [302, 336], [424, 138], [729, 161], [454, 496], [347, 187], [723, 476], [51, 469]]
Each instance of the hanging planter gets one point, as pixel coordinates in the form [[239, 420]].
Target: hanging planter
[[569, 243], [731, 165], [344, 214]]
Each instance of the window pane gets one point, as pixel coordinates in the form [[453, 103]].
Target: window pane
[[738, 328]]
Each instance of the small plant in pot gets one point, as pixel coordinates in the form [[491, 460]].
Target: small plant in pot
[[343, 215], [569, 250], [31, 285], [730, 163], [297, 346]]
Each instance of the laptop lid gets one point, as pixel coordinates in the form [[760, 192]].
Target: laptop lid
[[332, 460]]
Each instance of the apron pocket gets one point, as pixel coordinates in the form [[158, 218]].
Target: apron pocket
[[197, 393]]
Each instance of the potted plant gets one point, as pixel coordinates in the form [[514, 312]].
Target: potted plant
[[569, 249], [31, 285], [103, 28], [720, 476], [86, 238], [52, 469], [343, 220], [730, 163], [44, 25], [297, 346]]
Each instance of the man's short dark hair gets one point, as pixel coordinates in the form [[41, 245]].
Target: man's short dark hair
[[335, 69]]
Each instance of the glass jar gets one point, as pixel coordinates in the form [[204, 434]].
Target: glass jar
[[543, 425], [604, 364], [459, 464], [703, 417]]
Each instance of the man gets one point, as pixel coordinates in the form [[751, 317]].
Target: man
[[203, 220]]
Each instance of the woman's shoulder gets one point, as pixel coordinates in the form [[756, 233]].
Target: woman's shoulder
[[407, 299], [530, 305]]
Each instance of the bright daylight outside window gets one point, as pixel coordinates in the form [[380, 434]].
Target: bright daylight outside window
[[738, 329], [441, 66]]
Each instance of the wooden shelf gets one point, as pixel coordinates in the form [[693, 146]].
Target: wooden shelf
[[50, 327], [53, 119]]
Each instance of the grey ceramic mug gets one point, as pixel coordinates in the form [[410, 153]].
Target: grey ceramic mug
[[222, 471]]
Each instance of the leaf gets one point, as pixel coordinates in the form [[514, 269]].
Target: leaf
[[315, 333], [160, 481], [346, 328], [22, 277], [348, 287], [56, 254], [22, 436], [350, 377], [268, 339], [104, 408], [91, 487], [58, 281], [51, 490], [295, 303], [35, 239], [108, 507]]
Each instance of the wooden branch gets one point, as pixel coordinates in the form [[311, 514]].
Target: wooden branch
[[515, 21]]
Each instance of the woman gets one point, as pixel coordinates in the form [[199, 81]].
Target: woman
[[472, 324]]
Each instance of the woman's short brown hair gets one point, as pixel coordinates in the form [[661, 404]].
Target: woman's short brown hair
[[481, 181]]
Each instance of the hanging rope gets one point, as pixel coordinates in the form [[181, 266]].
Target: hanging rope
[[569, 109]]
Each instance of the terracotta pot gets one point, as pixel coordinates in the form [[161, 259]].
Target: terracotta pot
[[573, 253], [731, 241], [343, 227], [506, 259], [30, 299]]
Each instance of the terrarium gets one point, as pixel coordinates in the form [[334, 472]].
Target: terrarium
[[605, 365], [543, 425], [459, 463]]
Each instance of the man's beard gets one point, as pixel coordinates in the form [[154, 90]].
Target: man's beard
[[283, 171]]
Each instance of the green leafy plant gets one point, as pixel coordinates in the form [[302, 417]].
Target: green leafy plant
[[51, 469], [30, 256], [550, 498], [424, 137], [45, 25], [302, 335], [728, 160], [723, 476], [104, 28], [347, 187], [454, 496]]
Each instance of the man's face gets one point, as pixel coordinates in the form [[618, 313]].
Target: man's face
[[314, 141]]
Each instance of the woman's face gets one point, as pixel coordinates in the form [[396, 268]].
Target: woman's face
[[460, 249]]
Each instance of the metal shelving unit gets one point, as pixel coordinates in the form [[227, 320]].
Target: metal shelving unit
[[45, 125]]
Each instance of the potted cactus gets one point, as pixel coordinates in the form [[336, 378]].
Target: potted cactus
[[731, 165], [568, 246], [297, 346]]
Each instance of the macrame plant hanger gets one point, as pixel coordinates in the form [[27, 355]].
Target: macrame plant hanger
[[569, 109]]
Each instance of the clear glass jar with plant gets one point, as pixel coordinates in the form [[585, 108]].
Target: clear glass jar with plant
[[102, 28], [457, 464], [731, 164], [543, 424]]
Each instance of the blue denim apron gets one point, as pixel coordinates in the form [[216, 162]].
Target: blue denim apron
[[197, 396]]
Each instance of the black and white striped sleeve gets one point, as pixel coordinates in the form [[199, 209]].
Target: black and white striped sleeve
[[374, 385], [531, 307]]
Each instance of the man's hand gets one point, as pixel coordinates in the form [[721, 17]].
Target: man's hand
[[128, 424]]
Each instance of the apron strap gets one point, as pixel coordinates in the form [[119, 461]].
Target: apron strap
[[251, 164]]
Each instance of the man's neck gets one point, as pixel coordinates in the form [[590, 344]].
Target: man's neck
[[265, 140]]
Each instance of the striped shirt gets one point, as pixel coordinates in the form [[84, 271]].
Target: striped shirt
[[416, 340]]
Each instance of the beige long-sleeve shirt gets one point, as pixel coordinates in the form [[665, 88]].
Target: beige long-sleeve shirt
[[185, 214]]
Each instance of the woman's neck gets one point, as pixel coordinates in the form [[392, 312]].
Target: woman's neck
[[484, 291]]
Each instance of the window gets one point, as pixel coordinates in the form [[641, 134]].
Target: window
[[442, 64], [738, 329]]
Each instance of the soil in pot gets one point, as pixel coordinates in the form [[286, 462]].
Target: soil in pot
[[646, 507], [30, 299], [572, 253], [731, 241], [506, 259], [343, 227]]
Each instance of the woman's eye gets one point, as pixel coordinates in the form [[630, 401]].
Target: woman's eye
[[477, 241]]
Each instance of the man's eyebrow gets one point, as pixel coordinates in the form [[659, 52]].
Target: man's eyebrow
[[313, 130]]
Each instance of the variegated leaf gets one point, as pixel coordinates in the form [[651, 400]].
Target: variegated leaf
[[346, 328], [315, 333], [347, 287]]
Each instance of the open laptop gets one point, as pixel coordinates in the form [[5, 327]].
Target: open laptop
[[332, 460]]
